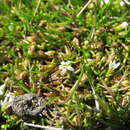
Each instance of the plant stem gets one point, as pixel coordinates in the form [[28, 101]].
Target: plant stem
[[76, 85], [85, 6], [44, 127]]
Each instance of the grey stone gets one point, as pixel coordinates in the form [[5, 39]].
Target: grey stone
[[28, 105]]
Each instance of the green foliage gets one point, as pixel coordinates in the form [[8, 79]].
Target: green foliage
[[37, 35]]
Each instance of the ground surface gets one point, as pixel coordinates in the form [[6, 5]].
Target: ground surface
[[75, 54]]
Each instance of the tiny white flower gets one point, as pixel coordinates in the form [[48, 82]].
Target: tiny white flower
[[113, 65], [122, 3], [65, 66], [9, 96], [2, 87], [124, 25], [104, 1]]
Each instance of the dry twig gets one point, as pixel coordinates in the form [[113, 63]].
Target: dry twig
[[39, 126]]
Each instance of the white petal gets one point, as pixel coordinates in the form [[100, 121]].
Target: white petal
[[2, 86], [2, 89], [60, 67], [66, 65], [122, 3], [64, 71], [1, 92], [106, 1], [113, 65], [70, 68], [68, 62], [62, 62], [116, 65], [123, 25]]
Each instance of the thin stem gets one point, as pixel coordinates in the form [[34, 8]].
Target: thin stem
[[85, 6], [95, 96], [76, 85], [38, 4], [39, 126], [37, 8]]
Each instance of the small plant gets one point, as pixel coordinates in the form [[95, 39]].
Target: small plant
[[74, 53]]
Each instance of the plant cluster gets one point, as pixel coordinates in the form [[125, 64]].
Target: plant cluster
[[75, 53]]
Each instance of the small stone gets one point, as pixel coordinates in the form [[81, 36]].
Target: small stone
[[28, 105]]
